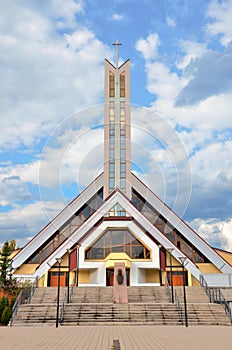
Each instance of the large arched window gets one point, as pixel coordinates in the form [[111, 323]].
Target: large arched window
[[120, 241]]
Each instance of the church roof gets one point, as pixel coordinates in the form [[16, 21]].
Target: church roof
[[118, 197]]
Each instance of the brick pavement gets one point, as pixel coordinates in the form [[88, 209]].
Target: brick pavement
[[102, 337]]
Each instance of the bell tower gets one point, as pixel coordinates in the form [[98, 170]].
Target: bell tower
[[117, 134]]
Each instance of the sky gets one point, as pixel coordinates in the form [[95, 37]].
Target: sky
[[51, 106]]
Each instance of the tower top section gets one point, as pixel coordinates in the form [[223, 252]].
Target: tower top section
[[117, 44]]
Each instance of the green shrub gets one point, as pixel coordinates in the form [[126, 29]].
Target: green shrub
[[6, 315], [13, 300], [3, 303]]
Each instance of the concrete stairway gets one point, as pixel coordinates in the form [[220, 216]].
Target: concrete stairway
[[209, 314], [135, 295], [147, 306], [148, 295], [92, 295], [47, 295], [41, 310], [35, 315], [227, 293], [199, 309], [121, 314], [193, 294]]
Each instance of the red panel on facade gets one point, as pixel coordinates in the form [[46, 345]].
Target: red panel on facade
[[73, 260], [162, 260]]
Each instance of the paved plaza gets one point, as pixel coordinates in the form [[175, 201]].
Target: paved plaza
[[130, 338]]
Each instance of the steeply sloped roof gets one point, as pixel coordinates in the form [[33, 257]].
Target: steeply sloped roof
[[117, 197], [178, 223], [63, 217]]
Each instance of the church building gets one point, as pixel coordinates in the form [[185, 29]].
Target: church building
[[117, 218]]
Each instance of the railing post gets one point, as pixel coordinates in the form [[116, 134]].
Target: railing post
[[179, 306], [63, 308], [58, 293], [168, 289], [170, 250], [182, 260]]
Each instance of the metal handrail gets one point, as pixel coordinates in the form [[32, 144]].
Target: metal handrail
[[70, 294], [168, 289], [32, 289], [179, 306], [22, 300], [206, 287], [63, 305], [216, 296], [15, 307]]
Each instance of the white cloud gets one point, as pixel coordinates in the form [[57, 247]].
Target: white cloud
[[211, 115], [204, 128], [159, 153], [117, 17], [161, 82], [13, 190], [170, 22], [191, 50], [78, 40], [214, 231], [45, 76], [24, 221], [208, 75], [208, 163], [77, 158], [220, 15], [65, 11], [148, 47]]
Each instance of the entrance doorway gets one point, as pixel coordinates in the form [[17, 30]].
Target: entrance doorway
[[110, 277], [177, 278], [53, 279]]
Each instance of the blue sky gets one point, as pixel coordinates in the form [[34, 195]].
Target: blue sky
[[51, 113]]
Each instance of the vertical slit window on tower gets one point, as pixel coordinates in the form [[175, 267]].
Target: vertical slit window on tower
[[112, 85], [112, 130], [122, 111], [111, 167], [111, 153], [122, 129], [111, 184], [123, 153], [123, 167], [123, 139], [112, 112], [122, 84]]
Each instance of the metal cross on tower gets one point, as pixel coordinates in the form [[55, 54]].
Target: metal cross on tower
[[117, 44]]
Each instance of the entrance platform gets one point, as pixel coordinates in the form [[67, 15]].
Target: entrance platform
[[103, 338]]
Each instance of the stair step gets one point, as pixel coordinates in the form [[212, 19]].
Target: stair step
[[147, 306]]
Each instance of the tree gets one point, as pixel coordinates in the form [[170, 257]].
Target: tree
[[3, 303], [6, 280], [5, 265], [12, 245], [6, 315]]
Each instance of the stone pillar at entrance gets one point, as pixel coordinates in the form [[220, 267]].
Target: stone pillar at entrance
[[120, 288]]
